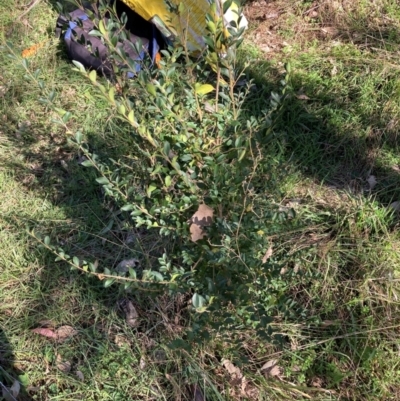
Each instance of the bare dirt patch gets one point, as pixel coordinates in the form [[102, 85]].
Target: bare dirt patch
[[275, 24], [265, 19]]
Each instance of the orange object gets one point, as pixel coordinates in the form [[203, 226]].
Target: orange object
[[31, 51], [157, 59]]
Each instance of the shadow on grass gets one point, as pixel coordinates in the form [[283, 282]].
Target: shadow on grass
[[339, 131], [9, 373]]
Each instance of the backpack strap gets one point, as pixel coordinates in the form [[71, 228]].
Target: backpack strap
[[60, 24]]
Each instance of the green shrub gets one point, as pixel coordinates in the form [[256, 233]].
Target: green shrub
[[200, 175]]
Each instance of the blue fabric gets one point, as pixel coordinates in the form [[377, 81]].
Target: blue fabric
[[152, 50], [73, 25], [154, 47]]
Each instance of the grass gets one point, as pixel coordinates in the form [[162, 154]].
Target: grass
[[339, 127]]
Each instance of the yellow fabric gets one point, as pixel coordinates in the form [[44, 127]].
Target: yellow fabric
[[192, 20], [148, 9]]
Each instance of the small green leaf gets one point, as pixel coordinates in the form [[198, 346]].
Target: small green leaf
[[95, 32], [127, 208], [93, 75], [60, 112], [87, 163], [131, 117], [109, 282], [47, 240], [111, 95], [136, 213], [227, 5], [181, 8], [102, 28], [78, 137], [203, 89], [242, 155], [157, 276], [132, 273], [75, 261], [167, 148], [211, 26], [66, 117], [24, 379], [102, 180], [79, 65], [151, 89], [198, 301], [150, 189], [107, 228], [167, 181], [121, 109]]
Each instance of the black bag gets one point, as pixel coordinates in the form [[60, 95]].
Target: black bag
[[90, 51]]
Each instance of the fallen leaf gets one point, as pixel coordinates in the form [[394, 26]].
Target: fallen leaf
[[271, 368], [80, 375], [124, 265], [269, 364], [142, 363], [233, 370], [65, 332], [64, 366], [265, 48], [371, 182], [272, 15], [267, 255], [196, 232], [202, 218], [396, 168], [302, 96], [329, 31], [121, 341], [131, 315], [45, 332], [3, 91], [316, 382], [60, 335], [33, 389], [247, 389], [275, 371]]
